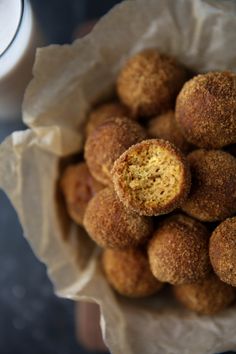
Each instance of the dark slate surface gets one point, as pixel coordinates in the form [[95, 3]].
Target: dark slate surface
[[59, 18], [33, 320]]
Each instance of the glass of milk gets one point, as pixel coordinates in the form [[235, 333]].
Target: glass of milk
[[19, 37]]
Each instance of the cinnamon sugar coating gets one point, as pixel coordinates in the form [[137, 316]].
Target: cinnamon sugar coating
[[78, 187], [128, 272], [165, 127], [223, 251], [213, 193], [178, 251], [151, 177], [206, 109], [107, 143], [110, 225], [104, 112], [207, 297], [149, 82]]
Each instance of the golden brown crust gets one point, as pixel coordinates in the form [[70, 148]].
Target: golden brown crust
[[110, 225], [206, 109], [207, 297], [149, 82], [165, 127], [128, 272], [104, 112], [178, 251], [223, 251], [107, 143], [152, 177], [212, 196], [78, 187]]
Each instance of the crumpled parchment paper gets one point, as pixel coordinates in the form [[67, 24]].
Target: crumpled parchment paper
[[67, 81]]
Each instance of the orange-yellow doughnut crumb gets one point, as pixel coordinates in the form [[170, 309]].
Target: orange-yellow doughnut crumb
[[151, 177]]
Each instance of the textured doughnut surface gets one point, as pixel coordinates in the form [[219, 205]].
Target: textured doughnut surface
[[151, 177], [129, 273], [149, 82], [178, 251], [110, 225], [206, 109], [106, 143], [223, 251], [213, 192]]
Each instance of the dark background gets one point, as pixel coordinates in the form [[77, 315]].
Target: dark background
[[32, 319]]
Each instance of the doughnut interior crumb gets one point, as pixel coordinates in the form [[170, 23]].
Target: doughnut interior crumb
[[154, 171], [152, 175]]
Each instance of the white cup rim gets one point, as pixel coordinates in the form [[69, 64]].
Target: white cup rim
[[15, 28]]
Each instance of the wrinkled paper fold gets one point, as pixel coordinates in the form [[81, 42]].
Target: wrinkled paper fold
[[67, 81]]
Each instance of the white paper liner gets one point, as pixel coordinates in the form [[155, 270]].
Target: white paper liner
[[67, 81]]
